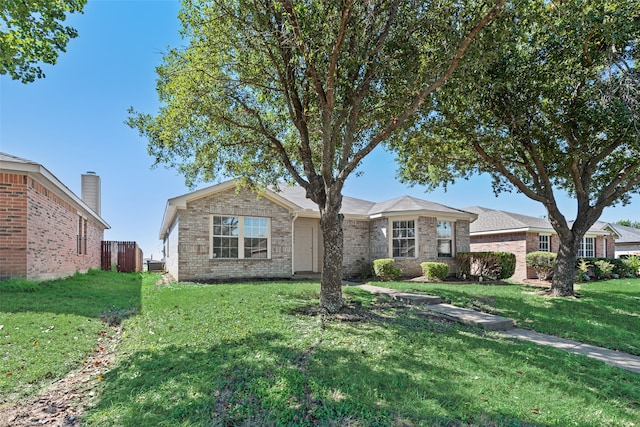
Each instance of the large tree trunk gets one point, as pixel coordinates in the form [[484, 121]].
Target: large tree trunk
[[331, 283], [565, 268]]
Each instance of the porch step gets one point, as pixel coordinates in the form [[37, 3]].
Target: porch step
[[412, 299], [483, 320]]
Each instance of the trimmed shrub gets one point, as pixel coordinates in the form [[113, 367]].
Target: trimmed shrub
[[493, 265], [632, 266], [385, 270], [437, 271], [602, 269], [508, 264], [365, 269], [542, 262]]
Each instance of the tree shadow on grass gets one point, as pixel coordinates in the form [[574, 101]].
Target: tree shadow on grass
[[422, 373], [96, 294], [605, 320], [218, 386]]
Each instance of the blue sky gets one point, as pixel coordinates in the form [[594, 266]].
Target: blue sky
[[72, 122]]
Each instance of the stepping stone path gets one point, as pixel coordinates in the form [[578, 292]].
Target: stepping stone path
[[434, 303], [492, 322]]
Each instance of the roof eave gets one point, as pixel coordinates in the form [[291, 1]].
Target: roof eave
[[36, 170]]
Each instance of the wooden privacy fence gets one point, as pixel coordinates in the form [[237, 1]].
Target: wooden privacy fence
[[125, 257]]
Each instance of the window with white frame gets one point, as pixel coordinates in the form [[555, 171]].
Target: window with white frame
[[404, 239], [587, 248], [81, 236], [238, 237], [256, 237], [445, 239], [545, 245]]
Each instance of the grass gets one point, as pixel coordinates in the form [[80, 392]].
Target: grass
[[48, 328], [604, 313], [254, 354]]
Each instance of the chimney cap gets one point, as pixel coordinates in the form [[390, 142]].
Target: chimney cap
[[91, 173]]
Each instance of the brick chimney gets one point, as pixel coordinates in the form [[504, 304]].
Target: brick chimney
[[91, 190]]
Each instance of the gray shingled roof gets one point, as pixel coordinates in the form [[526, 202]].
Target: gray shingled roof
[[412, 204], [350, 205], [501, 221], [627, 234], [360, 207], [5, 157], [495, 220]]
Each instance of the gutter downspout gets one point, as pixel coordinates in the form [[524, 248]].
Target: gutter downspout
[[293, 225]]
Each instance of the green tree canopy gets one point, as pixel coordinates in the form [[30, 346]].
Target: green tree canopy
[[31, 32], [551, 103], [302, 91]]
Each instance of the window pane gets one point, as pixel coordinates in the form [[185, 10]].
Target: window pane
[[444, 248], [255, 227], [544, 243], [225, 247], [403, 242], [444, 230], [255, 247]]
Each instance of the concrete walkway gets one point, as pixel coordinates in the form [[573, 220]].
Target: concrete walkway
[[506, 327]]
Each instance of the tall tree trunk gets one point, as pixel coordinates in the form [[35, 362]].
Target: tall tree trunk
[[331, 225], [565, 268]]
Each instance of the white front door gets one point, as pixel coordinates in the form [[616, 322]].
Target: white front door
[[303, 248]]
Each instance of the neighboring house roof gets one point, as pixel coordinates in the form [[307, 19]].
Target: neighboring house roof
[[626, 234], [492, 221], [10, 163], [294, 198]]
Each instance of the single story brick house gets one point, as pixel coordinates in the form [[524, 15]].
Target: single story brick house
[[628, 241], [496, 230], [46, 231], [219, 233]]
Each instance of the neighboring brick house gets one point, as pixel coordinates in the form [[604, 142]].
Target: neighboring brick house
[[628, 241], [220, 233], [46, 231], [502, 231]]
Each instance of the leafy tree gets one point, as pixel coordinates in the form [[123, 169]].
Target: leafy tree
[[32, 32], [629, 223], [551, 105], [302, 91]]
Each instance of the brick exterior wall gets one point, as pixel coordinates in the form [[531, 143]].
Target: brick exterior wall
[[523, 243], [13, 225], [515, 243], [194, 262], [38, 232], [356, 246], [427, 244]]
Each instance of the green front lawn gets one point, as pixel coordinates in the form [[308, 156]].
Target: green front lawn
[[606, 313], [49, 328], [253, 354]]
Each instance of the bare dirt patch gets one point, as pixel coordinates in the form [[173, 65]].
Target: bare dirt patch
[[62, 403]]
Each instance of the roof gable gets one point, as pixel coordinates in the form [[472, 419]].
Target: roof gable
[[626, 234], [10, 162], [294, 198]]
